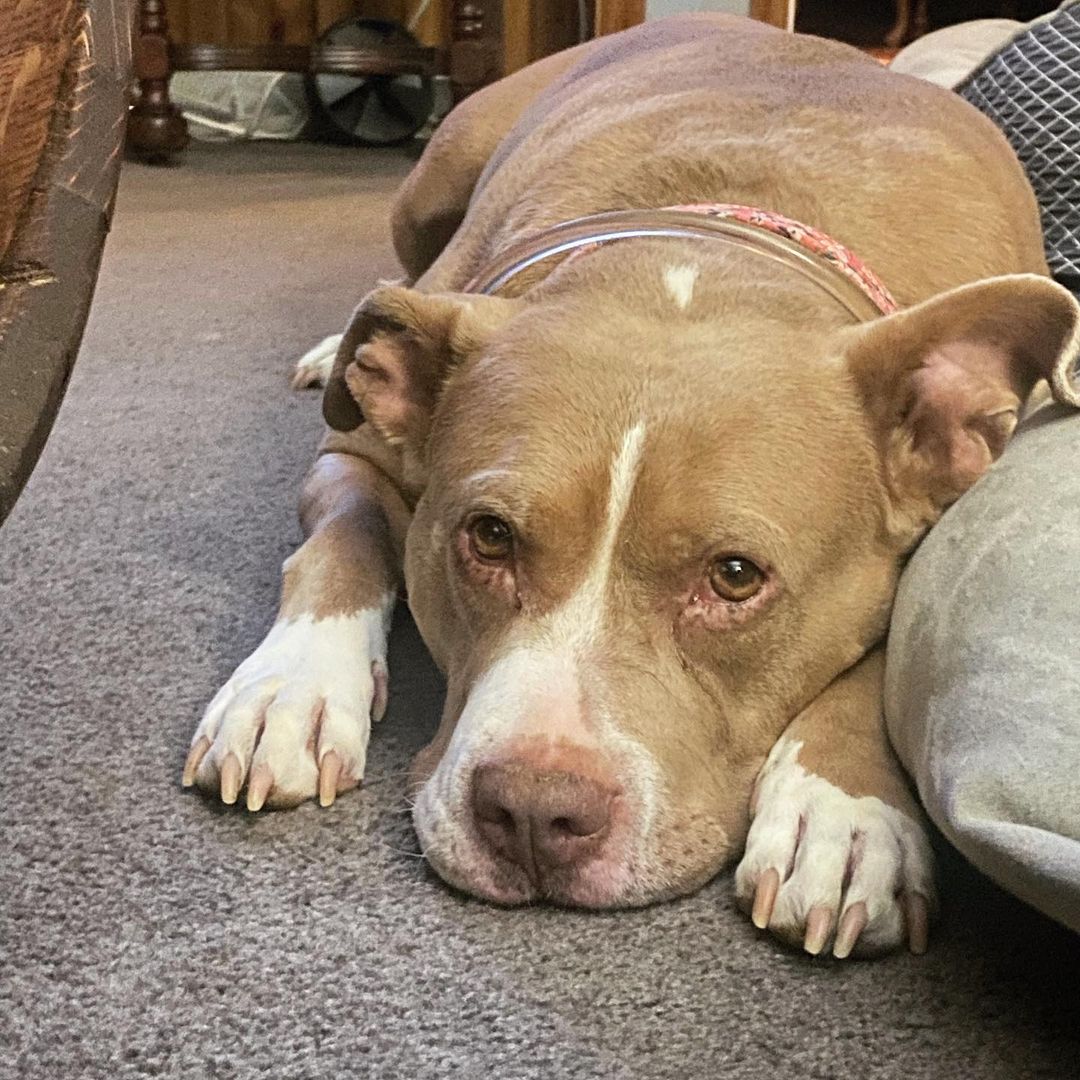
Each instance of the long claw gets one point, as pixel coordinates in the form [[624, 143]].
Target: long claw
[[329, 772], [851, 926], [917, 912], [194, 760], [259, 784], [764, 898], [232, 775], [382, 689], [818, 925]]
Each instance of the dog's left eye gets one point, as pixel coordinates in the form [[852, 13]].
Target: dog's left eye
[[490, 538], [735, 578]]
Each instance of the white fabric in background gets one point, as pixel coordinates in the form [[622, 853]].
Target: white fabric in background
[[226, 105]]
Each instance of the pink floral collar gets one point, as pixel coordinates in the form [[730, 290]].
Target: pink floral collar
[[833, 267], [824, 246]]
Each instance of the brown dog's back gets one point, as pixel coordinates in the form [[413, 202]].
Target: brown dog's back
[[719, 108]]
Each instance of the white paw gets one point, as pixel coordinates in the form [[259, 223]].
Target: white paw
[[825, 869], [295, 717], [314, 367]]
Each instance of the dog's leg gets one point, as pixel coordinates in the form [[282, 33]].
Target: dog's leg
[[837, 852], [294, 719]]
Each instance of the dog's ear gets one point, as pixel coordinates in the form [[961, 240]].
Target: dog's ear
[[943, 382], [398, 349]]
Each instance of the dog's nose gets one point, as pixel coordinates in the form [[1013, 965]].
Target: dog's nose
[[541, 819]]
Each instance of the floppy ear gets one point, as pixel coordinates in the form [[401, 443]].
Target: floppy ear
[[943, 382], [396, 352]]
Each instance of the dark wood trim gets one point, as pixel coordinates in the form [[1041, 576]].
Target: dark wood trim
[[474, 52], [322, 60]]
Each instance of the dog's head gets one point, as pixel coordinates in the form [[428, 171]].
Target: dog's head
[[652, 531]]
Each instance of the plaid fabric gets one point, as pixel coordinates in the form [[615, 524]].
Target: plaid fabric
[[1031, 90]]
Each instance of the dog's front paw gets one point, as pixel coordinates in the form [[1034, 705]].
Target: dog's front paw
[[295, 717], [314, 367], [824, 868]]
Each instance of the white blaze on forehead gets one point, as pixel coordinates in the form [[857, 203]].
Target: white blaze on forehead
[[535, 688], [624, 471], [536, 681], [579, 619], [679, 282]]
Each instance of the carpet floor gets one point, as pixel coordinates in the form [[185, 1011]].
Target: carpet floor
[[149, 932]]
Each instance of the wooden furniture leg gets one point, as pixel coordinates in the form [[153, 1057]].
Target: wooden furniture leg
[[473, 56], [156, 129]]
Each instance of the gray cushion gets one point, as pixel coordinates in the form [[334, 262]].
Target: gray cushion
[[983, 680]]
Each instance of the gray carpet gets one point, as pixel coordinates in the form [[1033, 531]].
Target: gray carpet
[[147, 932]]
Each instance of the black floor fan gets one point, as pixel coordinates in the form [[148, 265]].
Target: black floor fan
[[368, 110]]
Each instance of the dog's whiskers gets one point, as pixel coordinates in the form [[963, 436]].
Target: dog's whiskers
[[408, 854]]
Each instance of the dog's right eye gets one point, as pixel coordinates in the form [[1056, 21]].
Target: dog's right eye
[[490, 538], [736, 579]]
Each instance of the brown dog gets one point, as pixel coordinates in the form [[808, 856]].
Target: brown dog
[[652, 501]]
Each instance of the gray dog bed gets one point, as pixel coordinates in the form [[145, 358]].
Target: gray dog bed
[[983, 681], [983, 696]]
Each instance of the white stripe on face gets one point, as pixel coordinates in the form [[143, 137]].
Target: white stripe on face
[[534, 687], [578, 621]]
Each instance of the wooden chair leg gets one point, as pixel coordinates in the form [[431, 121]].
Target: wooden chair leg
[[473, 55], [156, 130]]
